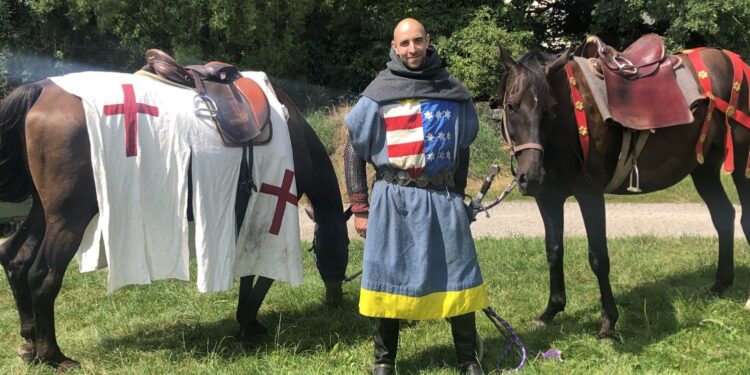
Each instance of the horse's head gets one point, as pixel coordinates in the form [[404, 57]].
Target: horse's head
[[527, 105], [331, 240]]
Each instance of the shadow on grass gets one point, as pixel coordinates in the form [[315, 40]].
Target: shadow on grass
[[648, 312], [313, 328]]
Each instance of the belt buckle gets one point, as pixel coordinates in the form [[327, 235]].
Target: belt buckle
[[403, 178], [388, 176], [422, 180]]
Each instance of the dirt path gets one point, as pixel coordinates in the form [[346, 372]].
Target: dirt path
[[623, 219]]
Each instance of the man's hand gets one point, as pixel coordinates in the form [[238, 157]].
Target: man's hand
[[360, 223]]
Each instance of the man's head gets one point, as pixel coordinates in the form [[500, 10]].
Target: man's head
[[410, 41]]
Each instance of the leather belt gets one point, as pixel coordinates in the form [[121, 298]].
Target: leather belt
[[439, 181]]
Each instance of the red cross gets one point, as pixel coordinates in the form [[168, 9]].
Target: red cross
[[284, 197], [130, 109]]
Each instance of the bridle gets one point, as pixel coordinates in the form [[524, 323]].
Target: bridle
[[514, 148]]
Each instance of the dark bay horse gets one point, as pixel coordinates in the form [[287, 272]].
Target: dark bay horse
[[45, 154], [551, 165]]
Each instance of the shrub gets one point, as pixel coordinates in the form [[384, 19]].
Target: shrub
[[472, 53]]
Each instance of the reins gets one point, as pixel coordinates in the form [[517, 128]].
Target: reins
[[505, 329]]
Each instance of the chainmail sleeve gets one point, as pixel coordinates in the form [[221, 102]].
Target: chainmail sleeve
[[356, 179]]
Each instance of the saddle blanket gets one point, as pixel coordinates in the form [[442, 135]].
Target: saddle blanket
[[685, 81], [144, 135]]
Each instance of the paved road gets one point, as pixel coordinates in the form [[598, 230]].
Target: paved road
[[623, 219]]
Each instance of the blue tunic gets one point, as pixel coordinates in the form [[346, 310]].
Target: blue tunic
[[419, 258]]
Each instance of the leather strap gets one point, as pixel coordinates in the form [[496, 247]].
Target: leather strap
[[580, 114], [740, 71], [627, 157]]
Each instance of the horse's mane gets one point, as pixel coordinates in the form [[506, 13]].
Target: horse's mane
[[533, 63]]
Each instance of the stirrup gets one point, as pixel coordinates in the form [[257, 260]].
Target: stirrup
[[637, 187]]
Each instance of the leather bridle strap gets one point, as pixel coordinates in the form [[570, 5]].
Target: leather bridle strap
[[514, 149]]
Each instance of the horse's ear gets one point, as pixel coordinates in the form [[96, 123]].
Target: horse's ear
[[559, 62], [310, 213], [507, 59]]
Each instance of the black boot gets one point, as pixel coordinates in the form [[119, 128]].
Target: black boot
[[464, 332], [386, 345]]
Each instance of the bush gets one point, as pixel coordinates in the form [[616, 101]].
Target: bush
[[472, 53]]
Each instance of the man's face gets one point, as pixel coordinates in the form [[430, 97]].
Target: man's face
[[410, 42]]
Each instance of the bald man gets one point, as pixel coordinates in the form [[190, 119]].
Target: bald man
[[414, 123]]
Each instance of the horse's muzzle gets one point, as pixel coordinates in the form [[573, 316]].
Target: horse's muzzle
[[530, 172]]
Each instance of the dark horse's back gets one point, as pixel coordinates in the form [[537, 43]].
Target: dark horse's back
[[669, 154]]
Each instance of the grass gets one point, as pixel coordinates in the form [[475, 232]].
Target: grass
[[666, 323]]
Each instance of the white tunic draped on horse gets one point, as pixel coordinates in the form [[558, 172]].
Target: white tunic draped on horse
[[144, 135]]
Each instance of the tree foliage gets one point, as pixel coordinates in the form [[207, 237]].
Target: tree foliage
[[337, 44], [682, 23], [472, 53]]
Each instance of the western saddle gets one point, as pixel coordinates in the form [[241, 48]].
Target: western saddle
[[642, 90], [237, 104]]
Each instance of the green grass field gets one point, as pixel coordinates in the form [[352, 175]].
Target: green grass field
[[667, 324]]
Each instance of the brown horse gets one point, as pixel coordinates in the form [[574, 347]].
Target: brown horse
[[552, 166], [44, 153]]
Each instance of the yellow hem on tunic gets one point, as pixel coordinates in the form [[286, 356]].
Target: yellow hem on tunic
[[432, 306]]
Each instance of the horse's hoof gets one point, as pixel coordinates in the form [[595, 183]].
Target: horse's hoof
[[257, 329], [538, 324], [66, 365], [27, 352], [334, 294], [717, 290], [251, 332], [608, 336]]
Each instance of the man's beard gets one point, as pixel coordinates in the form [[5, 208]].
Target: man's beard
[[404, 62]]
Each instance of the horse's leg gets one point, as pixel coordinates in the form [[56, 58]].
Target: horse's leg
[[594, 219], [250, 296], [250, 299], [741, 137], [61, 240], [16, 256], [551, 208], [707, 182], [60, 164]]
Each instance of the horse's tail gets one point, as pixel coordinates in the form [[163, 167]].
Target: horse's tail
[[15, 180]]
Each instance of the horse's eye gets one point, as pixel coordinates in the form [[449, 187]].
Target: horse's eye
[[510, 107]]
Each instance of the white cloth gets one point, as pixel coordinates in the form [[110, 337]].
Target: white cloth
[[141, 230], [142, 199], [259, 251]]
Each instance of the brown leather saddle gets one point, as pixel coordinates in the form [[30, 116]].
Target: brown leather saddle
[[238, 105], [642, 90]]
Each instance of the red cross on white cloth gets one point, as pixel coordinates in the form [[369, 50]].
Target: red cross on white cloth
[[130, 108], [284, 195]]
